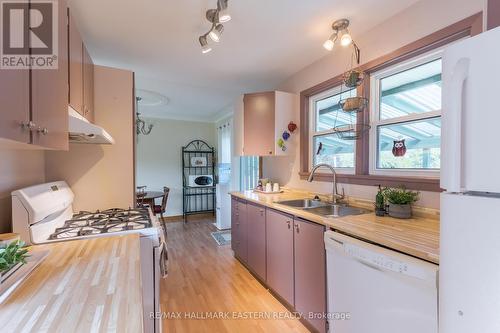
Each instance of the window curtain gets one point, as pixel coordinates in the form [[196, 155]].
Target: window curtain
[[224, 153], [224, 142]]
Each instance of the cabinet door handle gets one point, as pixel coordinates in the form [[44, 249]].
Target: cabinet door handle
[[297, 228], [28, 125], [289, 226], [261, 212], [43, 131]]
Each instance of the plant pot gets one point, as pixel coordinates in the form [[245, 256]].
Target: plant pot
[[380, 212], [6, 274], [399, 211]]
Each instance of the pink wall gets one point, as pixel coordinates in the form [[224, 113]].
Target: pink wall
[[415, 22], [102, 175], [18, 169]]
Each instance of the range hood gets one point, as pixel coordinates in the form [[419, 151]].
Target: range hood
[[82, 131]]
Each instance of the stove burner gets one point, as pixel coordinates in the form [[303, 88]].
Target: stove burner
[[107, 221]]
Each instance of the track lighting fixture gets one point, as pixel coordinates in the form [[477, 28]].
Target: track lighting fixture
[[216, 17], [340, 32]]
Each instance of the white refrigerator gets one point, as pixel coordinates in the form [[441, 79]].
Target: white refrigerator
[[469, 277]]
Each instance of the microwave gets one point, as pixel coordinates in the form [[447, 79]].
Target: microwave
[[200, 180]]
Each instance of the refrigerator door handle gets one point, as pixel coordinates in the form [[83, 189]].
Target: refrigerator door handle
[[452, 134]]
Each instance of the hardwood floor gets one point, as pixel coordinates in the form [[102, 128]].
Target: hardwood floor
[[206, 281]]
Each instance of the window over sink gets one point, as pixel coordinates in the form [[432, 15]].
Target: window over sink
[[325, 145], [405, 134]]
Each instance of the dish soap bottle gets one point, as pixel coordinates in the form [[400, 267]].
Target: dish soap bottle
[[380, 202]]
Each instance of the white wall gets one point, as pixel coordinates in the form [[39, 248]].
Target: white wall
[[18, 169], [417, 21], [158, 156]]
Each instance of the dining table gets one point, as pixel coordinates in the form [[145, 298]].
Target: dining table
[[148, 198]]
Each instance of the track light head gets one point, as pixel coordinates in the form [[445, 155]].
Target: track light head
[[216, 33], [205, 48], [223, 12], [346, 38], [330, 42]]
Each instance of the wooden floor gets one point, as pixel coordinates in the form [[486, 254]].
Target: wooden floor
[[206, 282]]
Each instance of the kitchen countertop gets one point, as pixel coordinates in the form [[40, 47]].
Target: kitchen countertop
[[82, 286], [418, 236]]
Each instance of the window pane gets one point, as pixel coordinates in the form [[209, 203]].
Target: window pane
[[416, 90], [326, 111], [249, 172], [334, 151], [422, 141]]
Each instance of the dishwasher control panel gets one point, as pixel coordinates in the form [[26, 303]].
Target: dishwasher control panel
[[383, 262]]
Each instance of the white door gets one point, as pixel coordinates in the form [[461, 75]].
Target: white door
[[381, 291], [469, 277], [471, 115]]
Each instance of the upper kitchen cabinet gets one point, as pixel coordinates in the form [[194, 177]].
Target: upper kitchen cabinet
[[265, 117], [75, 67], [34, 103], [49, 94], [88, 86]]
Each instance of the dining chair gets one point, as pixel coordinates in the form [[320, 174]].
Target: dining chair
[[160, 209], [140, 194]]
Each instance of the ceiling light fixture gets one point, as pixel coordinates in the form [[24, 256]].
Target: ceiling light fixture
[[340, 32], [140, 125], [216, 17]]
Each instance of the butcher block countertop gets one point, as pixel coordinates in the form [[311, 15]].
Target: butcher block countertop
[[418, 236], [91, 285]]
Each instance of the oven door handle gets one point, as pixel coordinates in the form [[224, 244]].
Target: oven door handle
[[163, 260]]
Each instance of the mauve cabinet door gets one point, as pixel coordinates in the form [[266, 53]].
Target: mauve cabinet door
[[259, 119], [75, 67], [88, 86], [256, 226], [49, 94], [242, 236], [310, 270], [234, 223], [279, 241], [14, 104]]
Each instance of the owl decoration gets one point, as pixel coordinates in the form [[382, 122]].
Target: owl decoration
[[399, 148]]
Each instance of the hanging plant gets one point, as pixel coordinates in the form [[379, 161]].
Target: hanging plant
[[353, 78]]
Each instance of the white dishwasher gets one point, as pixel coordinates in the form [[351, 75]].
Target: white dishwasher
[[375, 290]]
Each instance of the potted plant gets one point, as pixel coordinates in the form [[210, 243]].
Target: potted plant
[[380, 203], [12, 257], [399, 201]]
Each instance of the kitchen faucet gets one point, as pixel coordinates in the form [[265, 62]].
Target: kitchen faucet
[[335, 192]]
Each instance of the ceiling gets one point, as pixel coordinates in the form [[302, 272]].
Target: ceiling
[[263, 44]]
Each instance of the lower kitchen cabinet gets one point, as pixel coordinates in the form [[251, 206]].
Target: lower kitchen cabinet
[[256, 240], [287, 253], [239, 229], [310, 271], [279, 242]]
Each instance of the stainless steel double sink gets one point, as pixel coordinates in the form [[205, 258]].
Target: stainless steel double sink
[[323, 208]]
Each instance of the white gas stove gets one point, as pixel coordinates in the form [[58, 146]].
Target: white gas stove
[[44, 214]]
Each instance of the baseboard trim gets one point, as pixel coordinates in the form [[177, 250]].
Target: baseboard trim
[[179, 218]]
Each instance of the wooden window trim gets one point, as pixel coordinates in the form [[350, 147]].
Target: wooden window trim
[[470, 26]]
